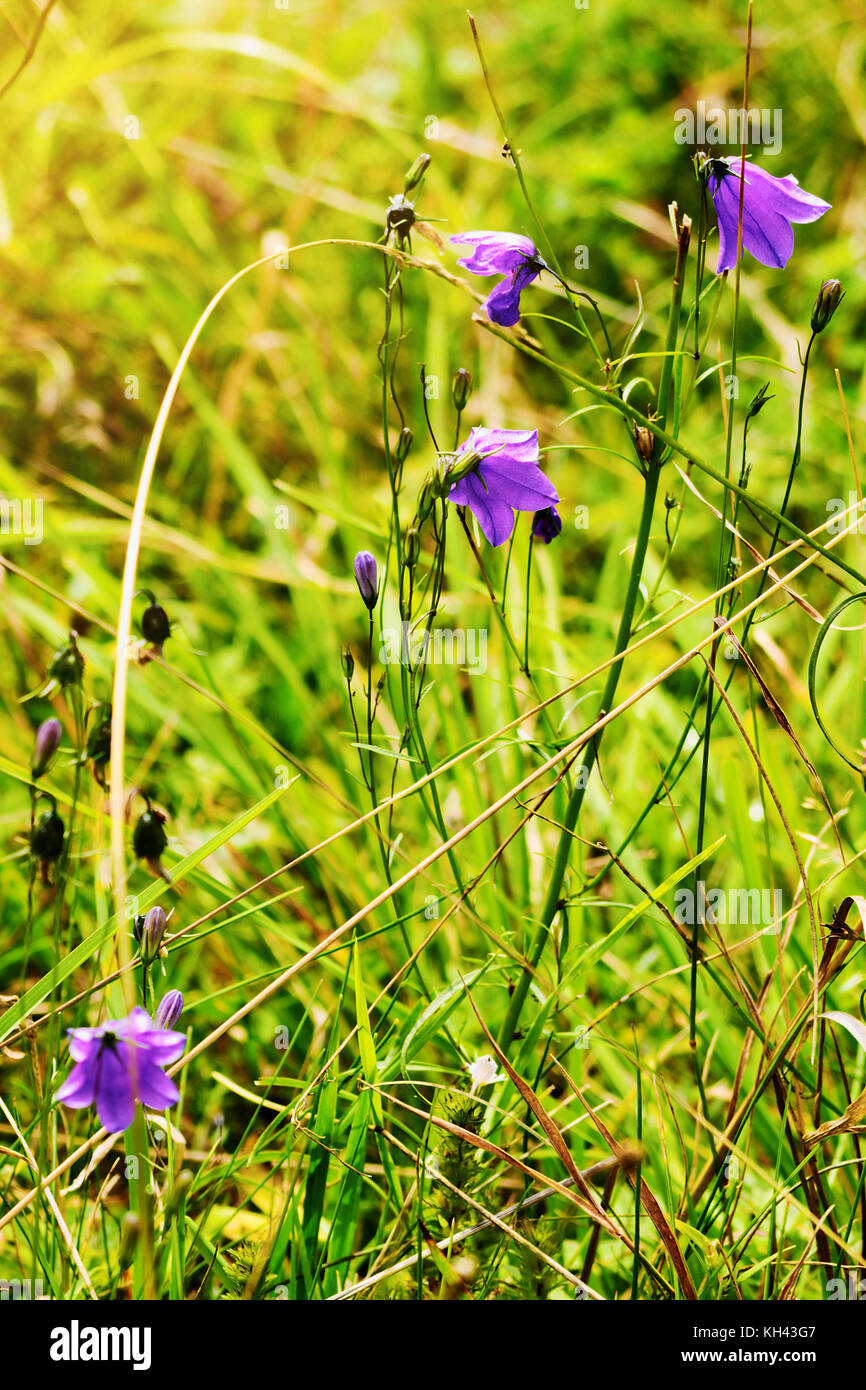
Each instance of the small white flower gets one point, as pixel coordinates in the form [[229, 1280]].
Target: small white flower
[[483, 1072]]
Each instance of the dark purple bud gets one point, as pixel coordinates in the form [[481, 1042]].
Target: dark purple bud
[[67, 664], [547, 525], [169, 1009], [348, 663], [461, 388], [826, 304], [152, 933], [400, 218], [155, 626], [46, 842], [149, 839], [48, 737], [367, 578]]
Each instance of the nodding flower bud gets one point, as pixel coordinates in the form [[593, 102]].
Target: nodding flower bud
[[367, 578], [148, 838], [97, 749], [411, 547], [644, 442], [155, 627], [348, 661], [152, 932], [46, 842], [404, 444], [416, 173], [547, 525], [826, 304], [48, 737], [461, 388], [67, 663], [169, 1009]]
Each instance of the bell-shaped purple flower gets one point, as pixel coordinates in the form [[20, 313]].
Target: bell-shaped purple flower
[[367, 577], [119, 1063], [505, 479], [547, 525], [770, 206], [507, 254]]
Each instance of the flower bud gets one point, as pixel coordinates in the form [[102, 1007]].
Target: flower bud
[[46, 842], [152, 932], [756, 405], [98, 746], [67, 664], [404, 444], [348, 662], [149, 839], [367, 578], [416, 173], [48, 737], [179, 1192], [547, 525], [169, 1009], [461, 388], [429, 493], [155, 627], [460, 466], [826, 304], [411, 547]]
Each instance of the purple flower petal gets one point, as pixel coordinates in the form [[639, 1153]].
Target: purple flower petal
[[770, 206], [494, 516], [524, 488], [154, 1088], [79, 1087], [115, 1102], [496, 253]]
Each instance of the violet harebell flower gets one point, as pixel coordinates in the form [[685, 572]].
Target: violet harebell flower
[[119, 1063], [502, 253], [770, 206], [505, 479]]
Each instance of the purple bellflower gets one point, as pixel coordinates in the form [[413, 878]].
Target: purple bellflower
[[505, 479], [119, 1063], [770, 206], [502, 253]]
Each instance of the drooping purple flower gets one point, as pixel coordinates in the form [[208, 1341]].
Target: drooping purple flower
[[502, 253], [169, 1009], [367, 577], [547, 525], [770, 206], [505, 479], [119, 1063]]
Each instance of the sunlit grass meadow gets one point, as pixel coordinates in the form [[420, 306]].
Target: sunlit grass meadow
[[364, 844]]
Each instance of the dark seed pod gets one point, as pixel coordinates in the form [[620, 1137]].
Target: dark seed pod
[[67, 664], [461, 388], [98, 746], [46, 841], [404, 444], [155, 627], [400, 218], [149, 839], [138, 927]]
